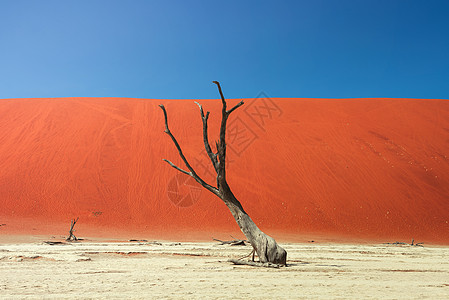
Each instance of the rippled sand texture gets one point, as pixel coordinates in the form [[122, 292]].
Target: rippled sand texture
[[143, 270], [373, 169]]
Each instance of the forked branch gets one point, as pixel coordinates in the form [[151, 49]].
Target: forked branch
[[72, 236], [221, 146], [192, 172], [217, 159]]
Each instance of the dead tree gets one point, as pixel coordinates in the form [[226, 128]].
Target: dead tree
[[72, 236], [265, 246]]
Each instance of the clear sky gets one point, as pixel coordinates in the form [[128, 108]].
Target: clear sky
[[174, 49]]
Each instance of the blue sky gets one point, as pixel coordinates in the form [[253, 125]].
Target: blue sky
[[174, 49]]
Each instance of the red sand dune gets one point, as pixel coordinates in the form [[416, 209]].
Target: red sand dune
[[371, 169]]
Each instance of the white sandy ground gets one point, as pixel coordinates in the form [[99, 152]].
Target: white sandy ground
[[145, 270]]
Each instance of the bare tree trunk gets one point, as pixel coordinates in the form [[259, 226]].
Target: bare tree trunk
[[265, 246], [72, 236]]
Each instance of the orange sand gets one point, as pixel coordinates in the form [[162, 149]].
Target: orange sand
[[368, 169]]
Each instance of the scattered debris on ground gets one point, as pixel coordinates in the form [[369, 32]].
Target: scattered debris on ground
[[54, 243], [255, 263], [406, 244], [234, 242]]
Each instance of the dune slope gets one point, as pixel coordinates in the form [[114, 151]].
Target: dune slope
[[374, 169]]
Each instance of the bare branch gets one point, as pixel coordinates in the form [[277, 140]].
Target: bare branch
[[167, 131], [192, 172], [212, 156], [235, 107], [176, 167], [221, 94]]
